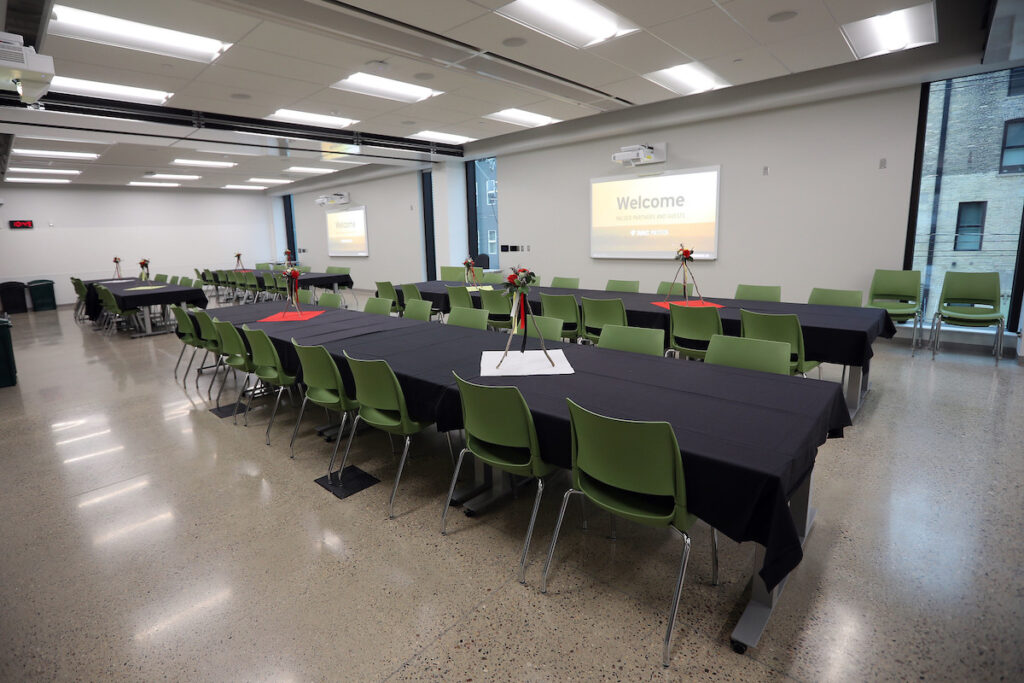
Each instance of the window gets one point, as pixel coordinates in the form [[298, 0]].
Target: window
[[1013, 147], [970, 223], [1016, 82], [482, 200]]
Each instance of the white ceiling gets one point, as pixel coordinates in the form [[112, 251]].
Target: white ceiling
[[286, 53]]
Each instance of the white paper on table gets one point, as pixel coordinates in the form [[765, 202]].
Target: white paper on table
[[524, 363]]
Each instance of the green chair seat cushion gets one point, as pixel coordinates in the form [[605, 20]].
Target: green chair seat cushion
[[391, 421], [239, 363], [804, 367], [508, 459], [271, 375], [641, 508], [983, 317], [895, 309], [329, 399]]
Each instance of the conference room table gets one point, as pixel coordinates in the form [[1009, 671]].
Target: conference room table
[[306, 280], [832, 334], [141, 294], [748, 439]]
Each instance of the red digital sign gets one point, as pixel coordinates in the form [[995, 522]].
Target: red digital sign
[[20, 224]]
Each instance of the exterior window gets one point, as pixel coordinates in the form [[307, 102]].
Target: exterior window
[[1013, 147], [970, 223], [1016, 82]]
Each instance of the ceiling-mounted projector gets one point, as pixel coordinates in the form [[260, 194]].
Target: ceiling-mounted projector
[[22, 70], [332, 199], [638, 155]]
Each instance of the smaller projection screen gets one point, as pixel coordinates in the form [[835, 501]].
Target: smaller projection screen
[[346, 232], [650, 216]]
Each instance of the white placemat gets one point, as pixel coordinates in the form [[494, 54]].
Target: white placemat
[[524, 363]]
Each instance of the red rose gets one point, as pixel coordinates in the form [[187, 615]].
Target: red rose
[[686, 253], [523, 270], [511, 278]]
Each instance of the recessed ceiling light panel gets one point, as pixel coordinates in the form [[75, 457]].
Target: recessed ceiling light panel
[[447, 138], [50, 181], [269, 181], [900, 30], [387, 88], [204, 163], [244, 187], [144, 183], [579, 23], [173, 176], [519, 117], [308, 169], [127, 93], [54, 154], [687, 79], [44, 171], [293, 116]]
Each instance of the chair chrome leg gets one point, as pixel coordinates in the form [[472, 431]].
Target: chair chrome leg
[[277, 402], [529, 531], [398, 477], [180, 355], [554, 539], [714, 556], [248, 404], [222, 383], [613, 535], [216, 367], [675, 600], [337, 442], [937, 327], [451, 490], [245, 385], [199, 370], [295, 430], [351, 436], [451, 451], [184, 379]]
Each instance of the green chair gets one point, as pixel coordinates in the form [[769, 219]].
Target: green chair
[[268, 370], [262, 266], [173, 280], [495, 277], [305, 296], [783, 327], [622, 286], [185, 282], [899, 293], [81, 293], [386, 290], [550, 328], [211, 343], [189, 337], [378, 306], [690, 329], [281, 287], [338, 270], [251, 284], [600, 312], [382, 406], [498, 307], [636, 339], [236, 356], [418, 309], [458, 297], [159, 277], [453, 273], [759, 292], [411, 293], [566, 282], [329, 300], [304, 269], [500, 433], [666, 288], [474, 318], [748, 354], [851, 298], [566, 308], [324, 388], [969, 300], [113, 313], [648, 487]]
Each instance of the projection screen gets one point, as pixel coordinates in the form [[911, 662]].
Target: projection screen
[[346, 232]]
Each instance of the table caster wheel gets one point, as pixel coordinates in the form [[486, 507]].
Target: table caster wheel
[[738, 647]]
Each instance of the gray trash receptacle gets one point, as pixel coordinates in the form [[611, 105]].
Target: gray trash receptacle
[[41, 293], [8, 371]]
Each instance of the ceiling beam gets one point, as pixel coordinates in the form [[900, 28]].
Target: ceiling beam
[[28, 19]]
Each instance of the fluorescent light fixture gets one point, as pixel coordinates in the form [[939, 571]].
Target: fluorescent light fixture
[[388, 88], [49, 181], [578, 23], [308, 169], [127, 93], [311, 118], [99, 28], [44, 171], [519, 117], [173, 176], [244, 187], [900, 30], [687, 79], [140, 183], [269, 181], [204, 163], [55, 154], [434, 136]]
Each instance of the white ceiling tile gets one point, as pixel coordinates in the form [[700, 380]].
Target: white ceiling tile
[[181, 15], [436, 15], [654, 12], [242, 57], [813, 51], [711, 33], [343, 101], [488, 31], [846, 11], [185, 100], [498, 93], [309, 46], [560, 110], [640, 52], [639, 91], [107, 74], [241, 80], [490, 4], [812, 17], [466, 105], [754, 65], [73, 52], [427, 109], [485, 128]]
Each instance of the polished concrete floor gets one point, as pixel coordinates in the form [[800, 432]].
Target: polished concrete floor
[[143, 539]]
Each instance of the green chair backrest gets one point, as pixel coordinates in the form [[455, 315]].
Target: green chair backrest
[[565, 307], [338, 270], [80, 288], [891, 286], [386, 290], [329, 300], [493, 277], [304, 269], [600, 312], [784, 327], [185, 282], [185, 325], [749, 354], [495, 302], [696, 323], [418, 309], [975, 289], [759, 292], [566, 282], [378, 306], [410, 293], [320, 374], [475, 318], [637, 339], [173, 280], [207, 276], [667, 287], [262, 266], [207, 332], [836, 297], [159, 277], [305, 296], [458, 297], [380, 396], [453, 273], [251, 281], [622, 286], [654, 467], [498, 416], [264, 353], [550, 328], [231, 342]]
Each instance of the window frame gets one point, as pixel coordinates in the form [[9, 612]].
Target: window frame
[[1003, 168], [980, 226], [1017, 74]]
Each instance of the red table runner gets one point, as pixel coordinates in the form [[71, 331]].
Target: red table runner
[[290, 316], [696, 303]]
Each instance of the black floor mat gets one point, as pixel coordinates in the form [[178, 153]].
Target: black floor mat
[[228, 410], [353, 480]]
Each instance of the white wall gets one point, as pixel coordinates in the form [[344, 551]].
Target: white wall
[[78, 231], [825, 216], [394, 227], [451, 228]]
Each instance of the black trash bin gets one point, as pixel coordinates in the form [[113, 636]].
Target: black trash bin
[[43, 298], [12, 297], [8, 372]]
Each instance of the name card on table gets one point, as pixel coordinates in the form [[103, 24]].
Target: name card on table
[[523, 363]]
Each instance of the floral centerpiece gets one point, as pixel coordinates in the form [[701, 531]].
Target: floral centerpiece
[[685, 257], [117, 266], [288, 257], [238, 261], [144, 267], [517, 286], [470, 270], [292, 274]]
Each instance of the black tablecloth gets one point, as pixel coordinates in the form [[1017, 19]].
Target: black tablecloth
[[832, 334], [748, 439], [121, 289], [307, 280]]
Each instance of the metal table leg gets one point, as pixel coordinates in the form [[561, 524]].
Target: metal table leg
[[755, 616], [856, 388], [147, 325], [480, 483]]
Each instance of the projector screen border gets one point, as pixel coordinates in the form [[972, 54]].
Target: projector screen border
[[348, 208]]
